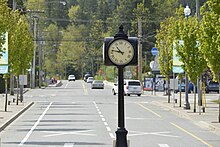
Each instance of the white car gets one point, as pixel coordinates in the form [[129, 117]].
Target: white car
[[71, 78], [90, 79], [131, 87]]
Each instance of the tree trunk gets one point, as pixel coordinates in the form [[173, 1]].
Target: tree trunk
[[168, 90], [11, 84], [180, 91], [194, 110], [219, 105]]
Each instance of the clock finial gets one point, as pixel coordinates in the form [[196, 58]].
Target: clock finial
[[121, 32]]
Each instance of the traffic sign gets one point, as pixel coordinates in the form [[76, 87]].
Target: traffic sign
[[154, 51]]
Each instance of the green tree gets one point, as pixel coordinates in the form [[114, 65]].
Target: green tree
[[210, 38], [70, 51], [165, 38], [164, 8], [4, 22], [194, 63], [53, 36], [21, 46]]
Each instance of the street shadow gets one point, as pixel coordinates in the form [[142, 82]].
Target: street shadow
[[52, 143]]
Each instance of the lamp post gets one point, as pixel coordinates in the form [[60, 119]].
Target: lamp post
[[187, 12]]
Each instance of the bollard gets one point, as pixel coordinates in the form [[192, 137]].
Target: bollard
[[13, 100], [9, 102], [175, 100]]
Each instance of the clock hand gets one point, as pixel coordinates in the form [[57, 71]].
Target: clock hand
[[120, 50], [116, 51]]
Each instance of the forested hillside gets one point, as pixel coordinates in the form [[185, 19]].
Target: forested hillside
[[72, 31]]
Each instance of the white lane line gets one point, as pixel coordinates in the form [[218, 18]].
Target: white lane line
[[108, 129], [68, 144], [103, 119], [35, 125], [67, 84], [163, 145], [112, 136], [83, 133]]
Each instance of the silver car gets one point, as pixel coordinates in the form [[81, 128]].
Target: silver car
[[97, 84]]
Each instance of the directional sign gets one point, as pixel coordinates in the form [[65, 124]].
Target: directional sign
[[154, 51]]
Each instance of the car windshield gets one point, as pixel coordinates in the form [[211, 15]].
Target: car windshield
[[134, 83], [98, 81], [214, 83], [72, 76]]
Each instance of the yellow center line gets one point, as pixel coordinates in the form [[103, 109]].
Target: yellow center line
[[199, 139], [149, 110], [85, 90]]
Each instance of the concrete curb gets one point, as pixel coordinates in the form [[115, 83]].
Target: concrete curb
[[201, 124], [8, 122], [177, 112], [209, 126]]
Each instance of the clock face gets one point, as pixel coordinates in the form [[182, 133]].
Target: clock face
[[121, 52]]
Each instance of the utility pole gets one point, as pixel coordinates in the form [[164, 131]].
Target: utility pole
[[11, 74], [199, 81], [140, 51], [34, 56], [40, 64]]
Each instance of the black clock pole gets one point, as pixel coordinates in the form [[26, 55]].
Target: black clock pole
[[121, 133], [121, 51]]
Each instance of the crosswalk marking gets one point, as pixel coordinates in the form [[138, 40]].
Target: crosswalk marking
[[163, 145], [69, 144]]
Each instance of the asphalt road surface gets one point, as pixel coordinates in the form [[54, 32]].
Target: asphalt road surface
[[74, 115]]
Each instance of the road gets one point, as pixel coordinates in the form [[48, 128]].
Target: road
[[74, 115]]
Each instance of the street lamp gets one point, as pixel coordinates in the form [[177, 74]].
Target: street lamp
[[187, 12]]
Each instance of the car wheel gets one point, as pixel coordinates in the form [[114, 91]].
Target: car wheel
[[128, 94], [139, 94]]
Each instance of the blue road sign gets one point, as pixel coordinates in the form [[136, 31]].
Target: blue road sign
[[154, 51]]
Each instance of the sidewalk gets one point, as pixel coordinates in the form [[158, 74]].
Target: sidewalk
[[13, 110], [207, 120]]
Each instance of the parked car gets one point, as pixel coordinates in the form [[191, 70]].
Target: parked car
[[183, 87], [131, 87], [90, 79], [97, 84], [212, 86], [71, 78]]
